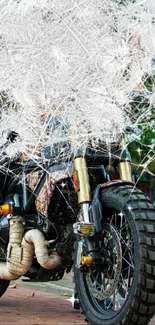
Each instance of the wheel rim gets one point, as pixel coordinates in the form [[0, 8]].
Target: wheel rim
[[109, 286]]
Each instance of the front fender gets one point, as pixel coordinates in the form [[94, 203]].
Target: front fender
[[95, 210], [116, 182]]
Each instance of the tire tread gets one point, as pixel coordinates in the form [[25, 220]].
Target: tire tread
[[143, 304]]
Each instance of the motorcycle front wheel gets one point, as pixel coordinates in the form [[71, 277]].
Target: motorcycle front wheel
[[121, 290]]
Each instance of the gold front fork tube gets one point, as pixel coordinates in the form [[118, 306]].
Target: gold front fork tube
[[125, 171], [124, 166], [84, 192]]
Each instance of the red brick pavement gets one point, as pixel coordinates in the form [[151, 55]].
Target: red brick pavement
[[22, 306]]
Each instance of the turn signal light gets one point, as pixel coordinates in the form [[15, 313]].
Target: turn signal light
[[75, 181], [86, 260], [84, 228], [87, 229], [6, 209]]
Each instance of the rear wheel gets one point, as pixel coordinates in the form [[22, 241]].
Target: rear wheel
[[121, 290], [3, 286]]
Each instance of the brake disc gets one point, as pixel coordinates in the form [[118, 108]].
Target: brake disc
[[103, 284]]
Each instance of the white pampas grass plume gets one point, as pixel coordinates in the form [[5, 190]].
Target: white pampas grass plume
[[74, 59]]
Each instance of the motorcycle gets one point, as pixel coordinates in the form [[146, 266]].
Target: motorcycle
[[102, 229]]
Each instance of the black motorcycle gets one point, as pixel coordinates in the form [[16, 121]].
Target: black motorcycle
[[102, 229]]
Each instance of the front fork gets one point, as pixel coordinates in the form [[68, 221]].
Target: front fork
[[82, 188], [124, 167], [84, 227], [90, 217], [81, 179]]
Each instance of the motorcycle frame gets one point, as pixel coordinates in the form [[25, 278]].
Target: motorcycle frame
[[121, 162]]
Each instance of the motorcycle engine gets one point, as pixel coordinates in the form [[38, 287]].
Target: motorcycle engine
[[65, 245], [4, 237]]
